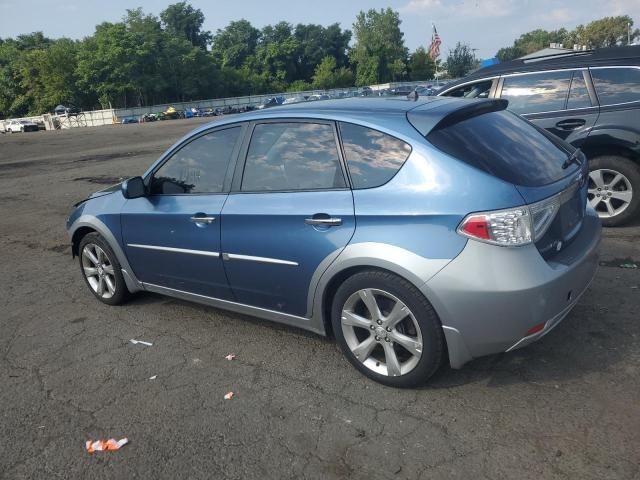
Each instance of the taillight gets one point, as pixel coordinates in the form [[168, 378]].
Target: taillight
[[503, 227], [513, 227]]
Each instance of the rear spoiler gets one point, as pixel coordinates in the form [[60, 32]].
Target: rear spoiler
[[438, 115]]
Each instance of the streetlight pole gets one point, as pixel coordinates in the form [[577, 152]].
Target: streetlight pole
[[628, 33]]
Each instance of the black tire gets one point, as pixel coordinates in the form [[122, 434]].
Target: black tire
[[433, 343], [631, 170], [121, 293]]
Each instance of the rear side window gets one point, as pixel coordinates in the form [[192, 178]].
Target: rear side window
[[538, 92], [472, 90], [505, 146], [292, 156], [373, 157], [616, 85], [578, 95]]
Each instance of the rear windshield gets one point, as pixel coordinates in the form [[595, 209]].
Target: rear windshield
[[506, 146]]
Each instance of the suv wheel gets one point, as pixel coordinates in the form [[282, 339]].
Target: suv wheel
[[614, 189], [387, 329], [101, 270]]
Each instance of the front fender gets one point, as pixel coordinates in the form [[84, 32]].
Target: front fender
[[94, 223]]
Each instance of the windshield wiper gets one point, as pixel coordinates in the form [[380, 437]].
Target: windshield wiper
[[573, 158]]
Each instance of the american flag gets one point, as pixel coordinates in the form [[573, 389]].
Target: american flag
[[434, 49]]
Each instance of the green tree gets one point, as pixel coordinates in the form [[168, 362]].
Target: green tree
[[47, 76], [327, 75], [379, 49], [189, 72], [232, 45], [275, 55], [316, 42], [181, 19], [533, 41], [421, 66], [123, 61], [299, 86], [9, 84], [460, 61], [605, 32]]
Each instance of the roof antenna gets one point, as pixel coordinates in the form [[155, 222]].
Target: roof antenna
[[413, 95]]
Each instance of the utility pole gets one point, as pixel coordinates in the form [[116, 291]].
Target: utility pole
[[628, 33]]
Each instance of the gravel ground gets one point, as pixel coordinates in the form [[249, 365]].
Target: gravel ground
[[565, 407]]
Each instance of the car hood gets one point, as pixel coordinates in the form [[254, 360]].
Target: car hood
[[102, 193]]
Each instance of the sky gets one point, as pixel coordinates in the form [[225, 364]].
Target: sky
[[487, 25]]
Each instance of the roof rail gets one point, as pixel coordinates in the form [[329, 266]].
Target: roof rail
[[572, 53]]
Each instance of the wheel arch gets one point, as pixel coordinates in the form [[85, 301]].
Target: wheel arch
[[357, 257], [595, 146], [86, 224], [77, 237], [454, 350]]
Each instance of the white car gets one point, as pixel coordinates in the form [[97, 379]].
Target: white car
[[14, 126]]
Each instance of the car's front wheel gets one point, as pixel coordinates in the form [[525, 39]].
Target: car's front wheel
[[101, 270], [614, 189], [387, 329]]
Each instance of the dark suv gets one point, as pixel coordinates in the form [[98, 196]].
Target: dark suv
[[591, 99]]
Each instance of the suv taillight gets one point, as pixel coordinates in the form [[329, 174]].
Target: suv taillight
[[513, 227]]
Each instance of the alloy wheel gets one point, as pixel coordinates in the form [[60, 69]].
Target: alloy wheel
[[381, 332], [98, 271], [609, 193]]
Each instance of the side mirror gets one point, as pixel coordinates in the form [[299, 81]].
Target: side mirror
[[133, 188]]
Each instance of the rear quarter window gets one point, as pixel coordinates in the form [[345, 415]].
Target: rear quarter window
[[538, 92], [373, 157], [505, 146], [616, 85]]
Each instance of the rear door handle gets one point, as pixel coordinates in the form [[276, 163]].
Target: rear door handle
[[203, 219], [571, 124], [323, 221]]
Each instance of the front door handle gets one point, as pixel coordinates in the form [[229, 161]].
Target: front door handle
[[196, 219], [571, 124], [330, 222]]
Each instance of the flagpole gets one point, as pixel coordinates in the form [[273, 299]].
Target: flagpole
[[435, 60]]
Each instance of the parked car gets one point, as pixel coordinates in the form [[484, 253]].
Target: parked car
[[402, 90], [171, 114], [69, 109], [589, 99], [298, 99], [425, 91], [414, 231], [150, 117], [316, 97], [16, 126]]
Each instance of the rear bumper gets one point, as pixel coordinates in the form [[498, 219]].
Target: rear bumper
[[489, 297]]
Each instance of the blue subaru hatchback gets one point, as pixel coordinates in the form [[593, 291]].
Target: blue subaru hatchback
[[417, 232]]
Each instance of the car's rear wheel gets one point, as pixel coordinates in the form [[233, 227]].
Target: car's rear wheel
[[101, 270], [387, 329], [614, 189]]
